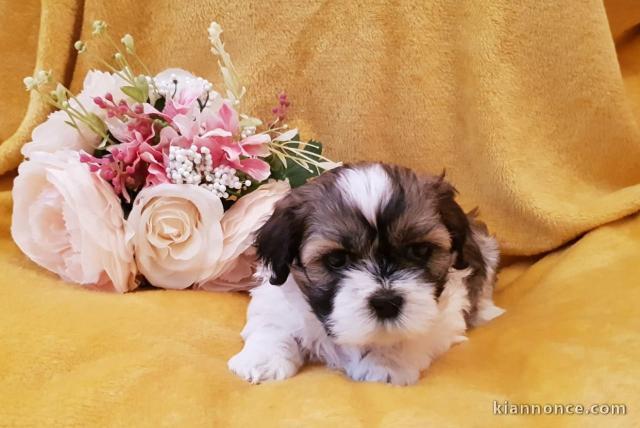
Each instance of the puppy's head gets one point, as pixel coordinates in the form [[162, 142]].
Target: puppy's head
[[370, 246]]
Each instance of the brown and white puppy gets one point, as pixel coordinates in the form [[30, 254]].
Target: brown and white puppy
[[378, 270]]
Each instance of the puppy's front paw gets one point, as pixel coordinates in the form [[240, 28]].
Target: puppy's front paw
[[259, 366], [370, 370]]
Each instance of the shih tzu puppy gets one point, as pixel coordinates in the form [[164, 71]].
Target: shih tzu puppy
[[370, 269]]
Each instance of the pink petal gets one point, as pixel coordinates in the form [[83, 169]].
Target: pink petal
[[150, 154], [187, 127], [226, 119], [218, 132], [233, 151], [156, 175], [256, 139], [213, 144], [229, 117], [173, 108], [148, 109], [257, 168], [256, 145]]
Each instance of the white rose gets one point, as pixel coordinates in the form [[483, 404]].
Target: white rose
[[70, 221], [176, 233]]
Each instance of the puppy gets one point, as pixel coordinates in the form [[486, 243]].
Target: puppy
[[369, 269]]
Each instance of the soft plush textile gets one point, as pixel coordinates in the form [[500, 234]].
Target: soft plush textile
[[532, 107]]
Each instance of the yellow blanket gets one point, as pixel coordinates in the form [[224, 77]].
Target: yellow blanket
[[528, 105]]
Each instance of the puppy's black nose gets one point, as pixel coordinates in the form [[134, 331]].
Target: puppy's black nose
[[386, 305]]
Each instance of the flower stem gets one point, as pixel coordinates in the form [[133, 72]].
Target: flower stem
[[146, 70]]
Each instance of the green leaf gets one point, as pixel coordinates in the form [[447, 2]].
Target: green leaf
[[317, 144], [97, 123], [145, 92], [282, 159], [298, 176], [276, 166], [295, 172], [135, 93], [314, 146]]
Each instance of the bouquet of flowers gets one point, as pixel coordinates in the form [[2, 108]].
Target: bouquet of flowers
[[158, 180]]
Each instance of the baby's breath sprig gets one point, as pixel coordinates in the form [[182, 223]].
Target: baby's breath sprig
[[129, 44], [139, 84], [59, 98], [194, 165]]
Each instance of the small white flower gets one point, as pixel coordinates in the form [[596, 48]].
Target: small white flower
[[98, 27], [60, 93], [80, 46], [214, 31], [248, 131], [43, 77], [194, 165], [30, 83], [127, 41]]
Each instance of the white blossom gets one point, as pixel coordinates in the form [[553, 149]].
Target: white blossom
[[194, 165]]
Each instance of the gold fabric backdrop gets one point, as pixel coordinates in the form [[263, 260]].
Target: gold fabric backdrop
[[524, 103]]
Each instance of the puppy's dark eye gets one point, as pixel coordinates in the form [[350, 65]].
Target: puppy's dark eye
[[336, 259], [419, 251]]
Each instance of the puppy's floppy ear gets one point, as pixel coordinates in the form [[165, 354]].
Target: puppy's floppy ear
[[454, 219], [278, 240]]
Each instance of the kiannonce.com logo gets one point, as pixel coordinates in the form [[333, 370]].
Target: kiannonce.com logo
[[509, 408]]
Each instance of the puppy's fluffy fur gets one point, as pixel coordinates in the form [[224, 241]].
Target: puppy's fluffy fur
[[370, 269]]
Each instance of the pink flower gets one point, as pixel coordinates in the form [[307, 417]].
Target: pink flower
[[128, 122], [157, 161], [242, 155], [130, 166], [170, 137], [70, 222], [237, 264], [216, 130], [185, 92]]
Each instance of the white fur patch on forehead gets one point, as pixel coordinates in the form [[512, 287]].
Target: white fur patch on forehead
[[366, 188]]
